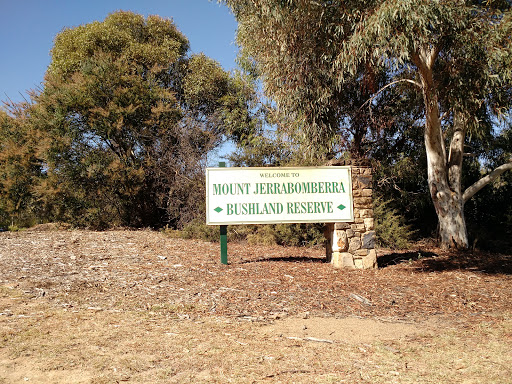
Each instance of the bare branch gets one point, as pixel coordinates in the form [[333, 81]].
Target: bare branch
[[470, 191], [389, 85]]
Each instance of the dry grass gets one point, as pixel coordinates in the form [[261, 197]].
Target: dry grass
[[64, 322]]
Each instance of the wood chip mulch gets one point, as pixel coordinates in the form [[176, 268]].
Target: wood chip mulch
[[145, 270]]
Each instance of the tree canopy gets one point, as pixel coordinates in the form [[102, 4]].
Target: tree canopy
[[455, 55], [127, 118], [20, 168]]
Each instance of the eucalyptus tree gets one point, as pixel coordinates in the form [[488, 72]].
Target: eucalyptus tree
[[288, 46], [456, 54], [459, 55], [129, 117]]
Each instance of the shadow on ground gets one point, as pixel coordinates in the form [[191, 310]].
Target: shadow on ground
[[401, 257], [426, 261], [290, 259], [423, 261]]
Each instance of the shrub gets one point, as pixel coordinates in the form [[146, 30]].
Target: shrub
[[197, 229], [390, 228], [304, 234]]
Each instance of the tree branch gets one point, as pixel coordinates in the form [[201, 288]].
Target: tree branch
[[389, 85], [470, 191], [432, 56]]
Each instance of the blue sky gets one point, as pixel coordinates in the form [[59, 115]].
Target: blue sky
[[28, 27]]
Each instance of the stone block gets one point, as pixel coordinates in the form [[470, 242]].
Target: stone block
[[363, 202], [368, 240], [347, 260], [364, 181], [341, 225], [357, 227], [351, 245], [366, 213], [342, 260], [333, 241], [342, 240], [370, 261], [336, 260], [369, 224], [354, 245]]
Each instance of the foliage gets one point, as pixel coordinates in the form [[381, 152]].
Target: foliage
[[261, 150], [293, 52], [400, 180], [284, 234], [13, 228], [446, 44], [268, 234], [454, 55], [128, 119], [489, 213], [289, 48], [20, 167], [390, 228], [197, 229]]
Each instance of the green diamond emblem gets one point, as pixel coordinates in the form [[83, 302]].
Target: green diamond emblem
[[341, 207], [218, 209]]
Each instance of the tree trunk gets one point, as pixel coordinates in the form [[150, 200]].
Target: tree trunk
[[452, 226], [444, 177], [456, 233]]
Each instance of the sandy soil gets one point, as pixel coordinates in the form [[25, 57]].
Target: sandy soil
[[268, 300]]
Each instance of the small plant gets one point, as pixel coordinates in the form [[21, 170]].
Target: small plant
[[269, 234], [197, 229], [390, 228]]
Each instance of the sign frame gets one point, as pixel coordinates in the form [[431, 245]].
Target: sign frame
[[275, 173]]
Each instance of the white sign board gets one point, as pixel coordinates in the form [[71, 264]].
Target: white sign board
[[278, 195]]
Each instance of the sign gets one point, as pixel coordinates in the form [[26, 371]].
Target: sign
[[278, 195]]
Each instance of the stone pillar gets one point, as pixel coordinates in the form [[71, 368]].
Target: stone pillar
[[352, 245]]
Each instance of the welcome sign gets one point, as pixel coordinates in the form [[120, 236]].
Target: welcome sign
[[278, 195]]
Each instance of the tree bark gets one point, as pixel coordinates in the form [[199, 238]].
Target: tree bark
[[454, 234], [444, 176]]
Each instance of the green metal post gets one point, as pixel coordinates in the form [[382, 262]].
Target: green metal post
[[223, 235], [224, 244]]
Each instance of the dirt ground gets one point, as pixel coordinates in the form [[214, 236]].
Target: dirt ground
[[81, 306]]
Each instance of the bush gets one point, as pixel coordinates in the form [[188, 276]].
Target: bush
[[13, 228], [390, 228], [197, 229], [268, 234], [304, 234]]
